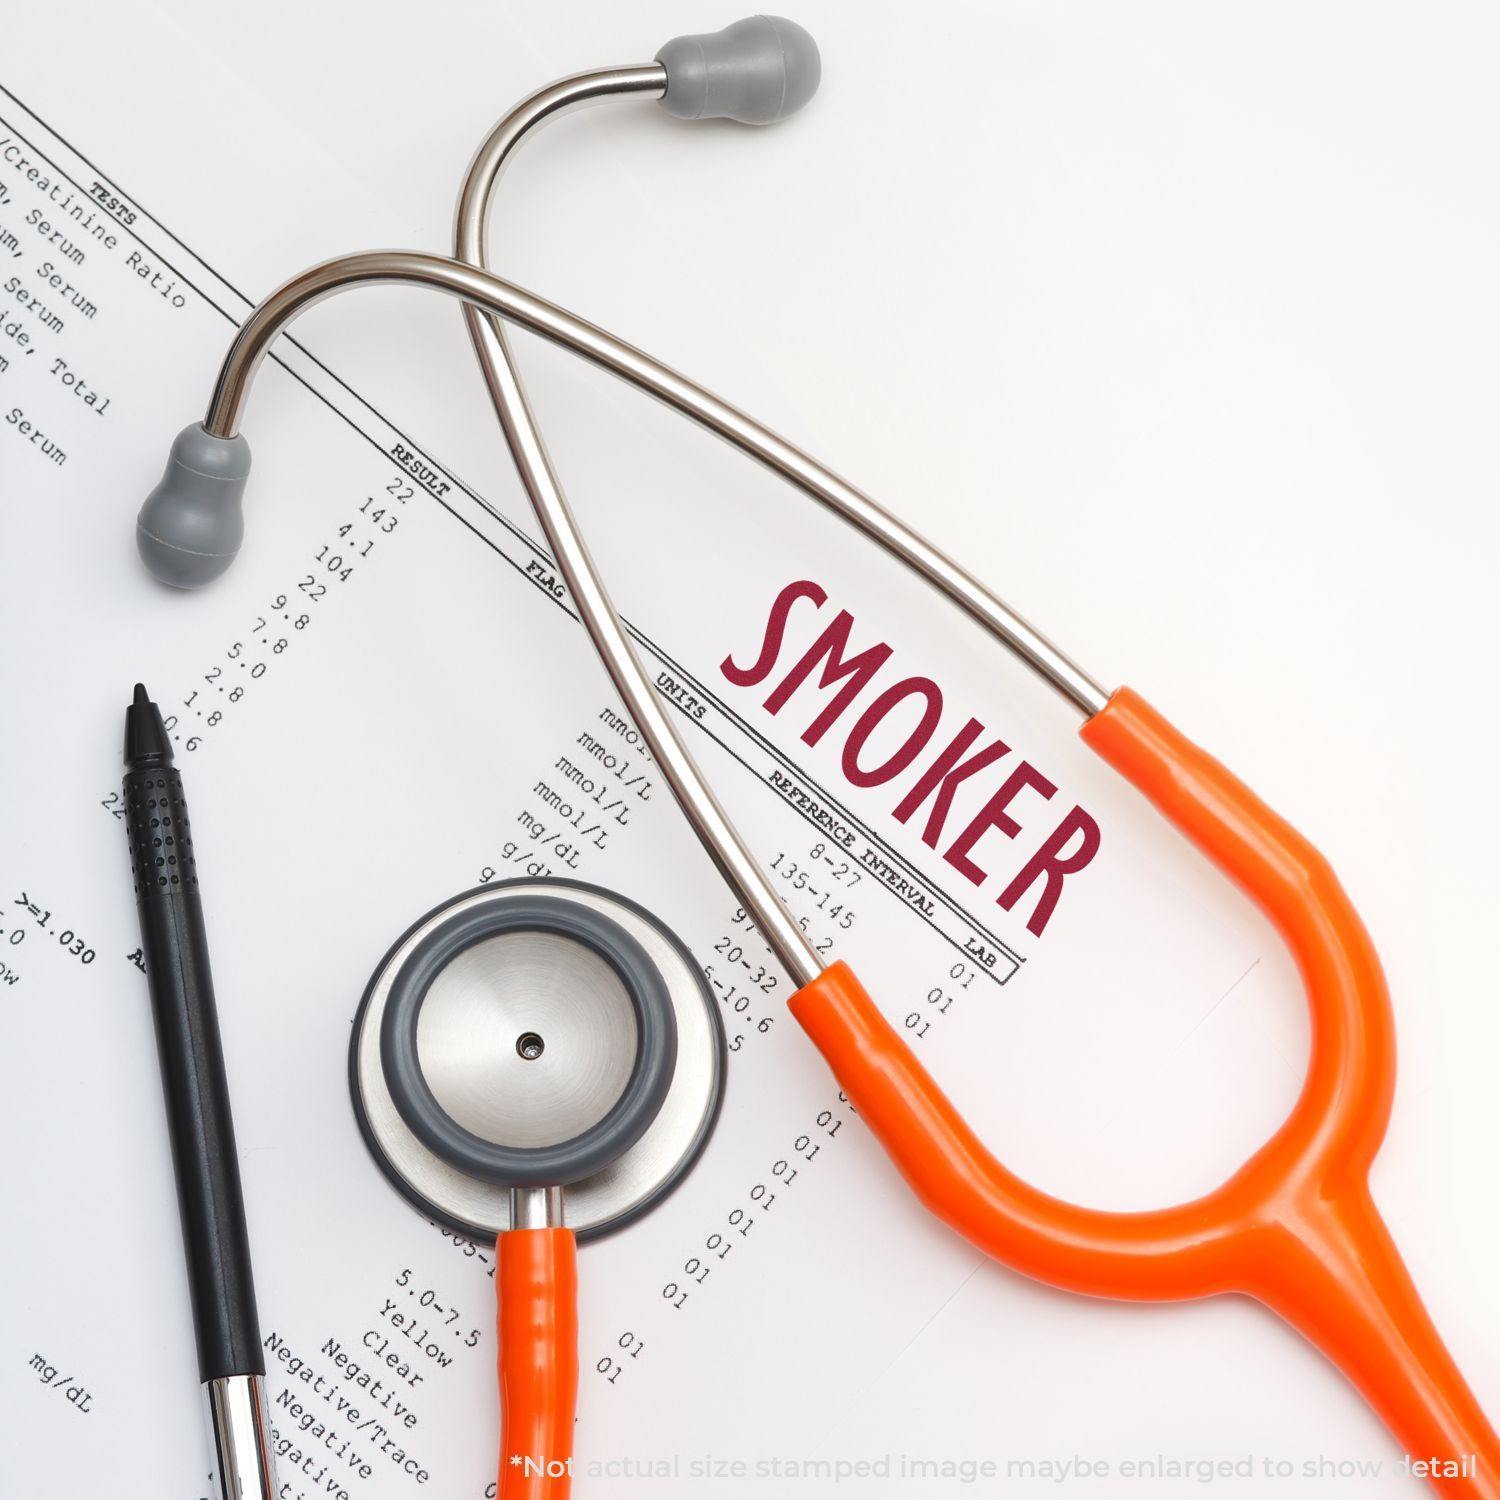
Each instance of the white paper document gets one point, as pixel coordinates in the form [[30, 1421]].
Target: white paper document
[[388, 700]]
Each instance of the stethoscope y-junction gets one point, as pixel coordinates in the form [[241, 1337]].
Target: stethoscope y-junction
[[541, 1052]]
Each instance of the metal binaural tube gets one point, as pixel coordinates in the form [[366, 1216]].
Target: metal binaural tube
[[478, 289], [505, 300], [718, 416], [508, 301], [649, 81], [492, 348], [714, 828]]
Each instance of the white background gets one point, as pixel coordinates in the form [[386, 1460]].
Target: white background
[[1176, 323]]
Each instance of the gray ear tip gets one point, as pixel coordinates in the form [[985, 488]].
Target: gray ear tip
[[757, 71], [177, 566], [215, 457], [803, 62], [190, 528]]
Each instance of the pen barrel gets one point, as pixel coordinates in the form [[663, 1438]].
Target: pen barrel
[[199, 1122]]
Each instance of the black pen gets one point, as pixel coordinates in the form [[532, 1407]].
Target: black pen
[[231, 1363]]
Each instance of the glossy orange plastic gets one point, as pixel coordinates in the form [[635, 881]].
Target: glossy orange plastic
[[536, 1285], [1295, 1227]]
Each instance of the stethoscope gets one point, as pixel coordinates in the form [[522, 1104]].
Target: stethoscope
[[541, 1050]]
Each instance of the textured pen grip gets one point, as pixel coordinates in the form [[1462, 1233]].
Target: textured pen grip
[[161, 839]]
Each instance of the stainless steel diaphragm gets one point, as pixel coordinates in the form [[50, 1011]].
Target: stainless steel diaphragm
[[537, 1033]]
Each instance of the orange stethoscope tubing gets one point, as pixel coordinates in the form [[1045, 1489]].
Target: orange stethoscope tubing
[[1295, 1227], [536, 1292]]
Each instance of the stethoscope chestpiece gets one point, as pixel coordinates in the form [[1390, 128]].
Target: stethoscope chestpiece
[[537, 1033]]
